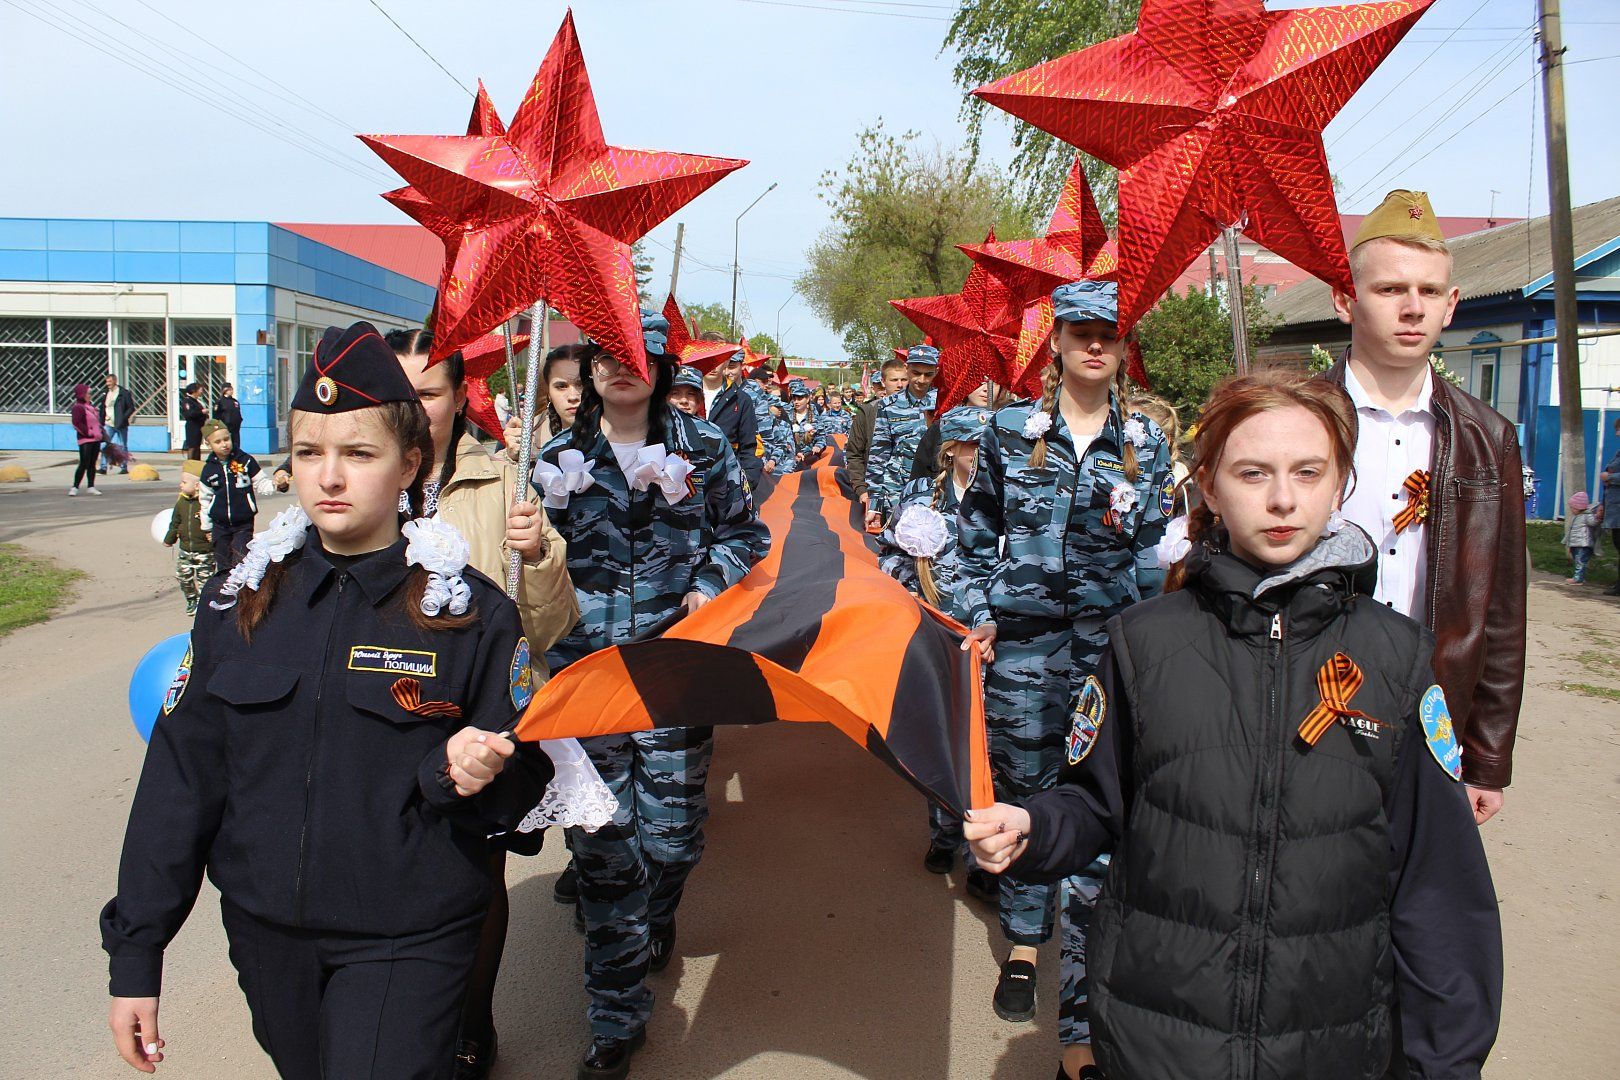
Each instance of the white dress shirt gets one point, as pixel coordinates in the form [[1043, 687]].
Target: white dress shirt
[[1388, 449]]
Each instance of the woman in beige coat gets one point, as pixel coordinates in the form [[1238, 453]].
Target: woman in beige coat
[[473, 492]]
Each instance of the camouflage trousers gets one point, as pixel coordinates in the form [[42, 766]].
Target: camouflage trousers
[[633, 870], [1074, 989], [192, 569], [945, 831]]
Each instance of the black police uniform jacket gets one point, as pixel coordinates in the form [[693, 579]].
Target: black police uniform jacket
[[307, 778], [733, 413], [1273, 909]]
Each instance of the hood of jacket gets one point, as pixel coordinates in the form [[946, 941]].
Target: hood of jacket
[[1311, 591]]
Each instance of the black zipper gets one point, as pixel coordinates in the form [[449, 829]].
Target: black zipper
[[309, 768], [1435, 542]]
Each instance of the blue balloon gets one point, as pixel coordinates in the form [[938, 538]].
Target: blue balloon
[[153, 676]]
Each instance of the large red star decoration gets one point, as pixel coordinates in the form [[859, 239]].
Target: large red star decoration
[[1073, 239], [751, 359], [544, 210], [480, 360], [975, 330], [705, 356], [1213, 112]]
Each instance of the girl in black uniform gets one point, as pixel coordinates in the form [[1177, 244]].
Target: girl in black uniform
[[338, 766]]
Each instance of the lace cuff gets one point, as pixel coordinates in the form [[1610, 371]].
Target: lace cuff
[[576, 796]]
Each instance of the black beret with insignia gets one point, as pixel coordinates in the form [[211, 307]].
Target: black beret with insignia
[[353, 369]]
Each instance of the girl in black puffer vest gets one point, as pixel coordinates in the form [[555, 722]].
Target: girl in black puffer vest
[[1297, 886]]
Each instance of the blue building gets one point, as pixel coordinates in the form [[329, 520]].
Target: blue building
[[161, 304], [1499, 343]]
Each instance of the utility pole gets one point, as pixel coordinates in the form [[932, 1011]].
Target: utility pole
[[1234, 301], [1572, 442], [675, 270]]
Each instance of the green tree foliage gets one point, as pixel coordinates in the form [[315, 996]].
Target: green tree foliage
[[708, 318], [994, 39], [644, 270], [763, 343], [1187, 344], [899, 210]]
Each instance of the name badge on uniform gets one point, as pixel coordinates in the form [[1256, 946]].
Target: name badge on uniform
[[393, 661], [520, 680], [1089, 709], [1439, 733], [1106, 464]]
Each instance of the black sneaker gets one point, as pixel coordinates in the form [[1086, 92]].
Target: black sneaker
[[474, 1059], [662, 948], [939, 860], [609, 1058], [1015, 992], [982, 885], [1087, 1072], [566, 891]]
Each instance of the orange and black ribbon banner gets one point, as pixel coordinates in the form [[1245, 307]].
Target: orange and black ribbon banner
[[815, 633], [1336, 683], [1416, 509]]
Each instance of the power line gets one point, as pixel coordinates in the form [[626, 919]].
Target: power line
[[419, 45]]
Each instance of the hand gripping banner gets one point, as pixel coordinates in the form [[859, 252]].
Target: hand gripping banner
[[815, 633]]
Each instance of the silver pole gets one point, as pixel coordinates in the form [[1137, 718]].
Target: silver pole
[[1234, 302], [539, 345], [511, 361]]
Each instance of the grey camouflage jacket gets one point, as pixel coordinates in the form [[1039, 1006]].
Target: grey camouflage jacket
[[633, 556], [1047, 543], [899, 426], [947, 565]]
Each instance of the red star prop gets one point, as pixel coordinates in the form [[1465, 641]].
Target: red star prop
[[487, 355], [544, 210], [1035, 267], [975, 329], [752, 359], [481, 408], [1213, 110], [705, 356]]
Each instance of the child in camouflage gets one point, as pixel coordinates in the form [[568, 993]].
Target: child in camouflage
[[194, 555]]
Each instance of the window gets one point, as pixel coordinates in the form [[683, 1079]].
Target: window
[[42, 359], [206, 333], [143, 370], [1485, 381]]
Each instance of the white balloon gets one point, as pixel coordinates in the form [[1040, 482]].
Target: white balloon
[[160, 524]]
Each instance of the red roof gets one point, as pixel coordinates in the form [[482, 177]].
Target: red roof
[[405, 249]]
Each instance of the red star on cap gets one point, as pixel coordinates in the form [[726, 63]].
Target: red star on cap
[[1213, 110], [545, 210]]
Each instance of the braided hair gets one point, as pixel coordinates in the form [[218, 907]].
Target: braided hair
[[1051, 392]]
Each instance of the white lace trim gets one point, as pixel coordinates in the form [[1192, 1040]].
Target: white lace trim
[[576, 796], [437, 547], [284, 535]]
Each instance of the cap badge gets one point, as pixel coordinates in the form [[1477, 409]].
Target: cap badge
[[326, 390]]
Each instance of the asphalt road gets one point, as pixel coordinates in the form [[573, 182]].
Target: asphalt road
[[812, 943]]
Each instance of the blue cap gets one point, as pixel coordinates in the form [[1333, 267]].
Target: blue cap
[[797, 388], [687, 376], [923, 354], [1081, 300], [654, 332], [965, 423]]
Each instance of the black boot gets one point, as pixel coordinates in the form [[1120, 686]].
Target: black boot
[[609, 1058], [1015, 992], [474, 1059], [982, 885], [661, 948], [566, 891], [939, 860]]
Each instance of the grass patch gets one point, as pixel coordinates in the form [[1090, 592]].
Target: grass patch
[[1607, 693], [1549, 555], [31, 589]]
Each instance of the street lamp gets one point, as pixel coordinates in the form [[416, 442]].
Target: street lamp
[[785, 303], [736, 240]]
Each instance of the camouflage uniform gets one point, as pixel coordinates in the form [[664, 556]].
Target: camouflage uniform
[[900, 424], [1070, 564], [774, 437], [808, 436], [837, 421], [633, 558]]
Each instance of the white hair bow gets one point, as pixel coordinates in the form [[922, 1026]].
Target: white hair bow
[[1174, 546], [571, 475], [657, 468]]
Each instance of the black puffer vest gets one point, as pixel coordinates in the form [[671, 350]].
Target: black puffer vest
[[1244, 928]]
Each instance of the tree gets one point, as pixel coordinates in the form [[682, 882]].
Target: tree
[[994, 39], [1187, 344], [709, 318], [644, 270], [763, 343], [898, 213]]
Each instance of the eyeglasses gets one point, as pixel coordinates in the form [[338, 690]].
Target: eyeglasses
[[606, 366]]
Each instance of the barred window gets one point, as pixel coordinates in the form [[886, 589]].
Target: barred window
[[202, 332], [42, 359], [25, 378]]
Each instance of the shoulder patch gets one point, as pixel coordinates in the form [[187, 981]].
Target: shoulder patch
[[1091, 705], [520, 678], [1439, 733], [1167, 497], [177, 687]]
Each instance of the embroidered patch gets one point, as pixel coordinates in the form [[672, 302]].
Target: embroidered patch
[[1167, 499], [1108, 465], [1438, 732], [408, 696], [520, 680], [177, 688], [1089, 709], [393, 661]]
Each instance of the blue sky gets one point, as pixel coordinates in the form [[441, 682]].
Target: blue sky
[[784, 83]]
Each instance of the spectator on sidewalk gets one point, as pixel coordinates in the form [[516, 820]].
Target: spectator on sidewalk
[[228, 411], [232, 484], [194, 558], [193, 413], [117, 408], [86, 420], [1581, 531]]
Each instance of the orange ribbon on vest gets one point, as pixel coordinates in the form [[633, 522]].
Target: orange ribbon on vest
[[1337, 682], [1416, 509]]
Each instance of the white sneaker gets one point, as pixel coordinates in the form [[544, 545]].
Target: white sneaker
[[95, 491], [72, 491]]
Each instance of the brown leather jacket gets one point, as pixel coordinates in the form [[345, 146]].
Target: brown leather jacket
[[1477, 572]]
